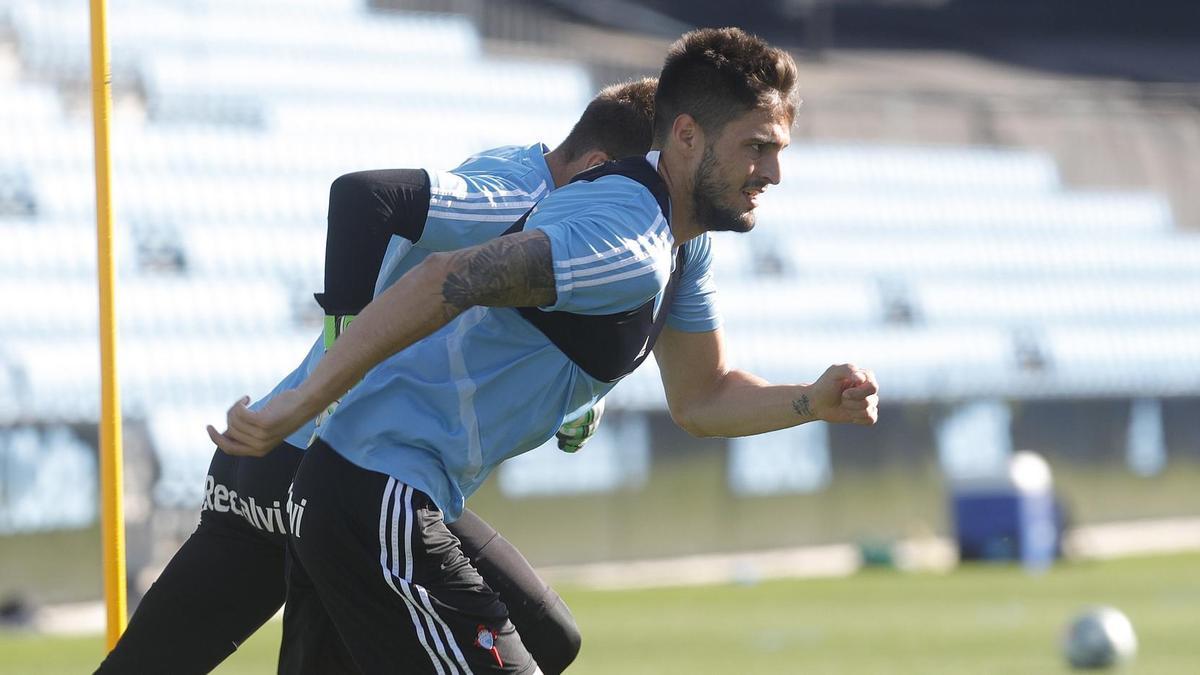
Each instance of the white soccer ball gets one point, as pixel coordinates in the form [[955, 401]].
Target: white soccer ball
[[1100, 637]]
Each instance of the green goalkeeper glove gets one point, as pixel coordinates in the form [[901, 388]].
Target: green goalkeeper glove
[[575, 434], [334, 326]]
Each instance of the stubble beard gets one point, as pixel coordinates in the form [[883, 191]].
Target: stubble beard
[[709, 213]]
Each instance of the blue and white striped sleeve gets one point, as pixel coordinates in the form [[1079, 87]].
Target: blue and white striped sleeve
[[611, 253], [466, 209], [694, 309]]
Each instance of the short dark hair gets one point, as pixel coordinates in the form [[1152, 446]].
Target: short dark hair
[[618, 122], [716, 74]]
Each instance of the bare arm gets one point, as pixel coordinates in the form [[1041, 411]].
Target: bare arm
[[510, 271], [707, 398]]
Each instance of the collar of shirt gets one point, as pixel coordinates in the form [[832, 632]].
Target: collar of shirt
[[652, 157], [537, 157]]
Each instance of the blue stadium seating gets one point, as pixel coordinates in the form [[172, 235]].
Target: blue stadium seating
[[954, 272], [1006, 255], [54, 39], [910, 212], [47, 249], [947, 170], [53, 306]]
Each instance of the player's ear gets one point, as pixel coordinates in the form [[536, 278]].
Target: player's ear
[[686, 133], [595, 158]]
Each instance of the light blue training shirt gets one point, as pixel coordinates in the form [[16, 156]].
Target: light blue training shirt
[[443, 413], [471, 204]]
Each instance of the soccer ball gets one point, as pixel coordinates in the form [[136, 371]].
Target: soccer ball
[[1100, 637]]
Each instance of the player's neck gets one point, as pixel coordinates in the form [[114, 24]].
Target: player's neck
[[564, 167], [675, 174], [560, 169]]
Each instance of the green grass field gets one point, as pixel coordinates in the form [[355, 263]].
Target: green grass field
[[978, 620]]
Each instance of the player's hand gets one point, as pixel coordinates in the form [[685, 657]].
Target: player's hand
[[846, 394], [254, 433], [575, 434]]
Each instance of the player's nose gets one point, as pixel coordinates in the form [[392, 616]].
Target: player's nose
[[769, 170]]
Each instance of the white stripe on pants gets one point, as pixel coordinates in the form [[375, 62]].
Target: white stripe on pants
[[422, 613]]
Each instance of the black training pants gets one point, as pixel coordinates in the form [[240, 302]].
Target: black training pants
[[228, 578], [374, 565]]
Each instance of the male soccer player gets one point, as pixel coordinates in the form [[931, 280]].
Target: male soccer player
[[228, 577], [483, 352]]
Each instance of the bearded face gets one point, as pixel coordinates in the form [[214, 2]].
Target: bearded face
[[724, 201], [738, 162]]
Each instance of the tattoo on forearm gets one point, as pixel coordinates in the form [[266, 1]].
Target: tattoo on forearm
[[511, 271], [802, 406]]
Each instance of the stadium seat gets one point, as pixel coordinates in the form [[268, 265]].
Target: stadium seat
[[1094, 300], [28, 104], [46, 145], [510, 85], [296, 255], [798, 210], [913, 364], [59, 379], [147, 197], [872, 168], [39, 249], [1122, 361], [53, 36], [52, 307], [442, 126], [995, 256], [183, 452], [787, 305], [733, 258]]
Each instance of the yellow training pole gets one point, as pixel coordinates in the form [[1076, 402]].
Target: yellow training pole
[[112, 518]]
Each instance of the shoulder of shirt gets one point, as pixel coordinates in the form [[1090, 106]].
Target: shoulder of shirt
[[621, 201], [507, 172], [503, 152], [613, 192], [506, 160]]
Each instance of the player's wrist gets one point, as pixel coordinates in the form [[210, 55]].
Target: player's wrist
[[806, 404]]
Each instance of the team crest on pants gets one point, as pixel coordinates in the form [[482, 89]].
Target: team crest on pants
[[486, 639]]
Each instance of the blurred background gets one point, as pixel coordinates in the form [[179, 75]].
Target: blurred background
[[991, 203]]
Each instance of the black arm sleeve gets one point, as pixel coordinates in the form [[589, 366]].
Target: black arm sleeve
[[365, 209]]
